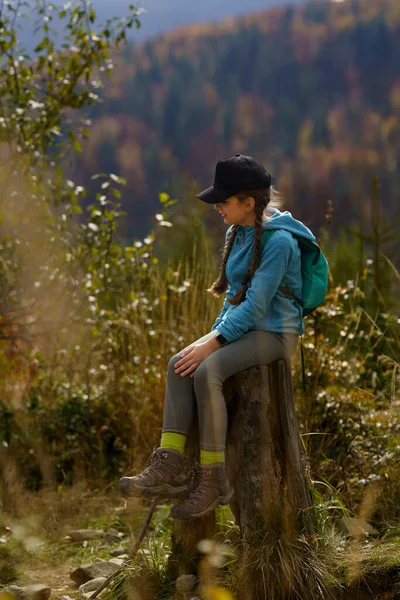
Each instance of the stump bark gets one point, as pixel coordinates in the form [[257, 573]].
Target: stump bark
[[265, 463], [267, 467]]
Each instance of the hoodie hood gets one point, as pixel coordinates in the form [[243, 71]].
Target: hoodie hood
[[284, 220]]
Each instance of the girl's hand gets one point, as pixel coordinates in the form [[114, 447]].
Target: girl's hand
[[192, 356]]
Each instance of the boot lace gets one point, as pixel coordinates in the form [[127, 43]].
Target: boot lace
[[200, 482], [157, 462]]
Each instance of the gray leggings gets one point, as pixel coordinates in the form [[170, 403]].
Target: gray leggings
[[205, 388]]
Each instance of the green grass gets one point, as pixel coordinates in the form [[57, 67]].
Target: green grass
[[375, 563], [9, 560]]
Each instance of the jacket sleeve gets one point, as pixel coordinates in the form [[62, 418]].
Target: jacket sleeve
[[263, 286], [225, 305]]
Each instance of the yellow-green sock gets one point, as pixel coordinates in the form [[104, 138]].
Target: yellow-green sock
[[173, 441], [209, 458]]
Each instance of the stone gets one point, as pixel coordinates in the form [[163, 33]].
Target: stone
[[117, 561], [80, 535], [92, 585], [29, 592], [66, 598], [112, 535], [356, 527], [118, 551], [186, 583], [99, 568]]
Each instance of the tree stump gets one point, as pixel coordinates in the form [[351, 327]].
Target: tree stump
[[272, 503]]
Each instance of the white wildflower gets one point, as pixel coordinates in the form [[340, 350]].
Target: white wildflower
[[34, 105]]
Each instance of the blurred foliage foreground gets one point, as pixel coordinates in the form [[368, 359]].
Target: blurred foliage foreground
[[88, 323]]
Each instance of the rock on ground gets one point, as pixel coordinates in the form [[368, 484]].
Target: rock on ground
[[99, 568], [92, 585], [112, 535], [80, 535], [29, 592], [117, 561], [118, 551], [186, 583]]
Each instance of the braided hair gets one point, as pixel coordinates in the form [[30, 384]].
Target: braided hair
[[263, 197]]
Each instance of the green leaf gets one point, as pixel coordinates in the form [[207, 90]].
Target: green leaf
[[163, 197], [43, 44]]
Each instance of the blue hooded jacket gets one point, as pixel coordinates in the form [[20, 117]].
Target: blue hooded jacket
[[264, 306]]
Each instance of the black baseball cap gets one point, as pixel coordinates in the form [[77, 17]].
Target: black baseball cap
[[232, 175]]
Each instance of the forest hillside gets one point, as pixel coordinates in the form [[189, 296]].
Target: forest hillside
[[313, 91]]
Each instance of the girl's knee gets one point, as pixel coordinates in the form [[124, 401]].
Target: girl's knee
[[172, 362]]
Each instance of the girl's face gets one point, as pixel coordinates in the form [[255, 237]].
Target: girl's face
[[236, 212]]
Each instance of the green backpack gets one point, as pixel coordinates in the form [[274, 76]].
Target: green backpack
[[314, 272]]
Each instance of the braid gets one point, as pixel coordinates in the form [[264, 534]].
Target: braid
[[221, 284], [240, 296], [262, 198]]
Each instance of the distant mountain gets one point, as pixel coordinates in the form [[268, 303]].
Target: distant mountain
[[162, 15], [313, 91]]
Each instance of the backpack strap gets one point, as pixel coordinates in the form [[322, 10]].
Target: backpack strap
[[303, 371], [286, 291], [283, 287]]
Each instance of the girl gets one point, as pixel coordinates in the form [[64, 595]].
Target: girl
[[258, 324]]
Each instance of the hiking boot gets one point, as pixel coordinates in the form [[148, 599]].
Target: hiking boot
[[163, 475], [211, 489]]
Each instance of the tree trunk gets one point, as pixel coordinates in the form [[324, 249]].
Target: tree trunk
[[272, 503]]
